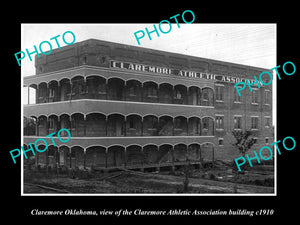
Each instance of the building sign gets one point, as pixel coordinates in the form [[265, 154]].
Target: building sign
[[183, 73]]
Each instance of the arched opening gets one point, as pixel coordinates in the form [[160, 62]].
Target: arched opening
[[42, 95], [180, 94], [95, 157], [65, 123], [116, 156], [165, 154], [53, 91], [150, 126], [115, 125], [133, 90], [29, 126], [194, 96], [79, 88], [165, 126], [30, 94], [165, 93], [134, 155], [207, 126], [77, 157], [77, 125], [64, 156], [30, 157], [194, 125], [193, 153], [52, 156], [133, 125], [207, 97], [150, 154], [150, 92], [115, 88], [180, 126], [65, 89], [95, 125], [207, 152], [53, 125], [180, 153], [42, 126], [42, 156], [96, 87]]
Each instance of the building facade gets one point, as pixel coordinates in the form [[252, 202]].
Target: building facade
[[134, 107]]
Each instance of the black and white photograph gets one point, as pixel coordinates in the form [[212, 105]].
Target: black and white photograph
[[162, 117], [123, 113]]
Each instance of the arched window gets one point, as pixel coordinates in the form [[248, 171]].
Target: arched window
[[207, 126], [207, 97]]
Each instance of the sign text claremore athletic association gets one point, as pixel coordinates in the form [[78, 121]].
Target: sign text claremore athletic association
[[169, 71]]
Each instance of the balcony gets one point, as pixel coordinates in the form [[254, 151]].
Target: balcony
[[106, 107], [86, 142]]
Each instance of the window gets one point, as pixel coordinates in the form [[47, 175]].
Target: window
[[178, 94], [237, 122], [220, 93], [205, 123], [221, 141], [254, 122], [255, 96], [220, 122], [255, 140], [236, 96], [267, 140], [267, 97], [267, 122]]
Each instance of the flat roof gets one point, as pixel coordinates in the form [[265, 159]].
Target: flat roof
[[114, 45]]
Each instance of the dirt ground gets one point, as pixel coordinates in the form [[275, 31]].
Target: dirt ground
[[211, 180]]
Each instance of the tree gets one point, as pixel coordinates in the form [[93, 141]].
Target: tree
[[243, 141]]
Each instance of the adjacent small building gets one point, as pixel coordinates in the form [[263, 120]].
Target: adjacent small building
[[133, 107]]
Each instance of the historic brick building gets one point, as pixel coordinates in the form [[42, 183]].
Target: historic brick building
[[128, 106]]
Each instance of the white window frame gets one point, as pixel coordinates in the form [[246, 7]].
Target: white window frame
[[252, 93], [257, 122], [235, 93], [240, 116], [265, 119], [270, 97], [222, 94], [219, 115], [220, 139], [256, 140]]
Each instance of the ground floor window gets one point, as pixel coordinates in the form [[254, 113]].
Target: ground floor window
[[254, 123], [237, 122]]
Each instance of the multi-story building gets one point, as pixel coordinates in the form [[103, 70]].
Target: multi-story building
[[128, 106]]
